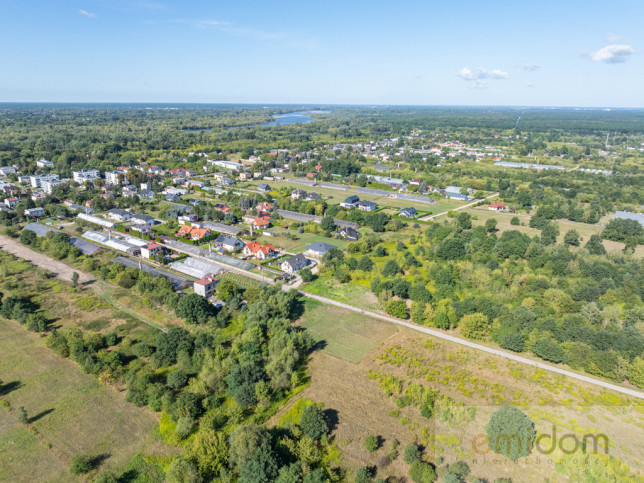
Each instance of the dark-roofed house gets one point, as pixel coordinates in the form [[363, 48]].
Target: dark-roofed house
[[118, 214], [349, 234], [139, 219], [263, 187], [410, 212], [295, 263], [318, 249], [229, 243], [350, 202]]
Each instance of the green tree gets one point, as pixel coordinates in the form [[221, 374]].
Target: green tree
[[421, 472], [549, 233], [549, 350], [411, 453], [328, 223], [28, 237], [514, 221], [365, 263], [371, 443], [397, 308], [490, 225], [464, 220], [313, 422], [362, 475], [391, 268], [182, 470], [307, 275], [80, 465], [571, 238], [194, 308], [22, 415], [510, 432], [595, 246], [475, 326], [451, 249], [226, 289], [75, 279], [209, 450], [177, 379]]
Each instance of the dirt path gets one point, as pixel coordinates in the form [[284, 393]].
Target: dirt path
[[62, 271], [431, 217]]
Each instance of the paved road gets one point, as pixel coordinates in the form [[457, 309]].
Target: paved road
[[62, 271], [481, 347], [431, 217]]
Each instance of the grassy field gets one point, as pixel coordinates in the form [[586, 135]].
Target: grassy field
[[344, 334], [69, 413], [351, 293], [336, 196], [297, 246], [366, 405]]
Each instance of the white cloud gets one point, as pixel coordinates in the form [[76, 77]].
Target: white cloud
[[87, 14], [612, 54], [531, 67], [480, 73]]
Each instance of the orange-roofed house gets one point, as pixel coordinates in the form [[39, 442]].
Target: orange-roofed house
[[498, 206], [256, 250], [318, 167], [262, 222], [264, 206], [310, 175], [193, 232]]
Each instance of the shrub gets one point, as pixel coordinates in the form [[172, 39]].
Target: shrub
[[313, 423], [177, 379], [80, 465], [549, 351], [513, 342], [475, 326], [510, 432], [397, 308], [421, 472], [411, 453], [307, 275], [371, 443]]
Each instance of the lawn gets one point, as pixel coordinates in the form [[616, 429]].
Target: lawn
[[344, 334], [69, 411], [298, 246], [353, 293]]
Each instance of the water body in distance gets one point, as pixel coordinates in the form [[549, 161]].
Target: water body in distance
[[299, 117]]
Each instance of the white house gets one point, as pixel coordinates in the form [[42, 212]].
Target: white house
[[206, 286], [86, 175], [151, 249], [44, 163], [35, 212], [118, 214], [295, 263], [112, 177]]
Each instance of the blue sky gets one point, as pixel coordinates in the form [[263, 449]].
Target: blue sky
[[532, 52]]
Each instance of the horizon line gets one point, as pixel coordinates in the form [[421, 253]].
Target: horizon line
[[277, 104]]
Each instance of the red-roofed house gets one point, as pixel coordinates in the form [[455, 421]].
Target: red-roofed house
[[262, 222], [264, 206], [206, 286], [497, 206], [256, 250], [193, 232], [222, 207], [310, 175], [151, 249], [318, 167]]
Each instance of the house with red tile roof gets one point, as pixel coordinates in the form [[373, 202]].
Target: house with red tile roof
[[498, 206], [262, 222], [206, 286], [222, 207], [193, 232], [256, 250]]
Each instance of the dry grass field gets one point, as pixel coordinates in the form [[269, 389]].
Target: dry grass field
[[69, 413]]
